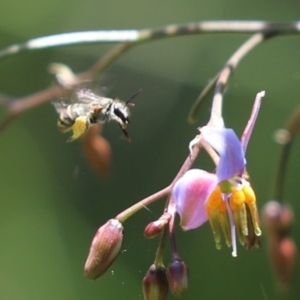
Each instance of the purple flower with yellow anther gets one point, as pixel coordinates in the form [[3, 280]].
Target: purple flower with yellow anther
[[225, 198]]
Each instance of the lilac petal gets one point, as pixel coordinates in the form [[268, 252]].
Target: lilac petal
[[248, 130], [227, 144], [190, 194]]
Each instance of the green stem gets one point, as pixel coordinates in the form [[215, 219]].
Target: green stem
[[160, 249], [216, 111], [124, 215]]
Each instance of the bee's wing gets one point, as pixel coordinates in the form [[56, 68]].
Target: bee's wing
[[87, 96], [83, 96], [59, 106]]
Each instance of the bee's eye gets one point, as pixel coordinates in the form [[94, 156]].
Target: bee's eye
[[120, 114]]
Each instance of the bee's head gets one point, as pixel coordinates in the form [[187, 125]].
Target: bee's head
[[120, 113]]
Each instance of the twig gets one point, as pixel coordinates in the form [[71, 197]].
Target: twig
[[221, 79], [102, 64], [216, 112], [130, 38], [292, 129], [23, 104], [162, 193], [145, 35], [192, 117], [17, 106]]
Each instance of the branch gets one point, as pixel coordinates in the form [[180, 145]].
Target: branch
[[221, 81], [146, 35], [130, 38], [287, 137]]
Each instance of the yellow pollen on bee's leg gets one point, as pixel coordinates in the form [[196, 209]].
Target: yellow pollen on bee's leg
[[251, 202], [80, 127]]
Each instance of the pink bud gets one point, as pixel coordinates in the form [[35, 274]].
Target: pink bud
[[283, 254], [105, 248], [97, 151], [156, 227], [282, 249], [155, 283], [277, 218], [177, 274]]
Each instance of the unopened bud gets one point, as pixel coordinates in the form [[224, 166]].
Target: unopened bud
[[277, 218], [282, 249], [283, 254], [155, 283], [97, 150], [178, 276], [155, 228], [64, 74], [105, 248]]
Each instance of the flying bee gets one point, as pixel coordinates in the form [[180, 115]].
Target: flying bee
[[89, 109]]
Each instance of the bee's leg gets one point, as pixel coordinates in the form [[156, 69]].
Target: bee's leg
[[80, 126], [126, 135], [62, 126]]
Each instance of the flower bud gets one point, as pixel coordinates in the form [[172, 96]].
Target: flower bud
[[155, 228], [105, 248], [155, 283], [177, 274], [97, 151], [283, 254], [282, 249], [277, 218]]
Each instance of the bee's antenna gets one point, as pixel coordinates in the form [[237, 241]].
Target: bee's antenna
[[127, 103]]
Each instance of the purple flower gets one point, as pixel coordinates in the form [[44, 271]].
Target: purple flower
[[226, 198]]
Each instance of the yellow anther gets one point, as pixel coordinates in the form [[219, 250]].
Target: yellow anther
[[242, 204], [237, 199], [215, 202], [216, 211], [249, 194], [251, 203], [237, 204]]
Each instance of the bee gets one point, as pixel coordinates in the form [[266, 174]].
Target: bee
[[89, 109]]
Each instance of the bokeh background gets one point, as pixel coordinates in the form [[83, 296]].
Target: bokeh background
[[52, 202]]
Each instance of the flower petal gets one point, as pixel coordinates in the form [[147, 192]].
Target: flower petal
[[227, 144], [248, 130], [190, 194]]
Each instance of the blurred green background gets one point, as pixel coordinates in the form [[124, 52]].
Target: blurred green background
[[52, 202]]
